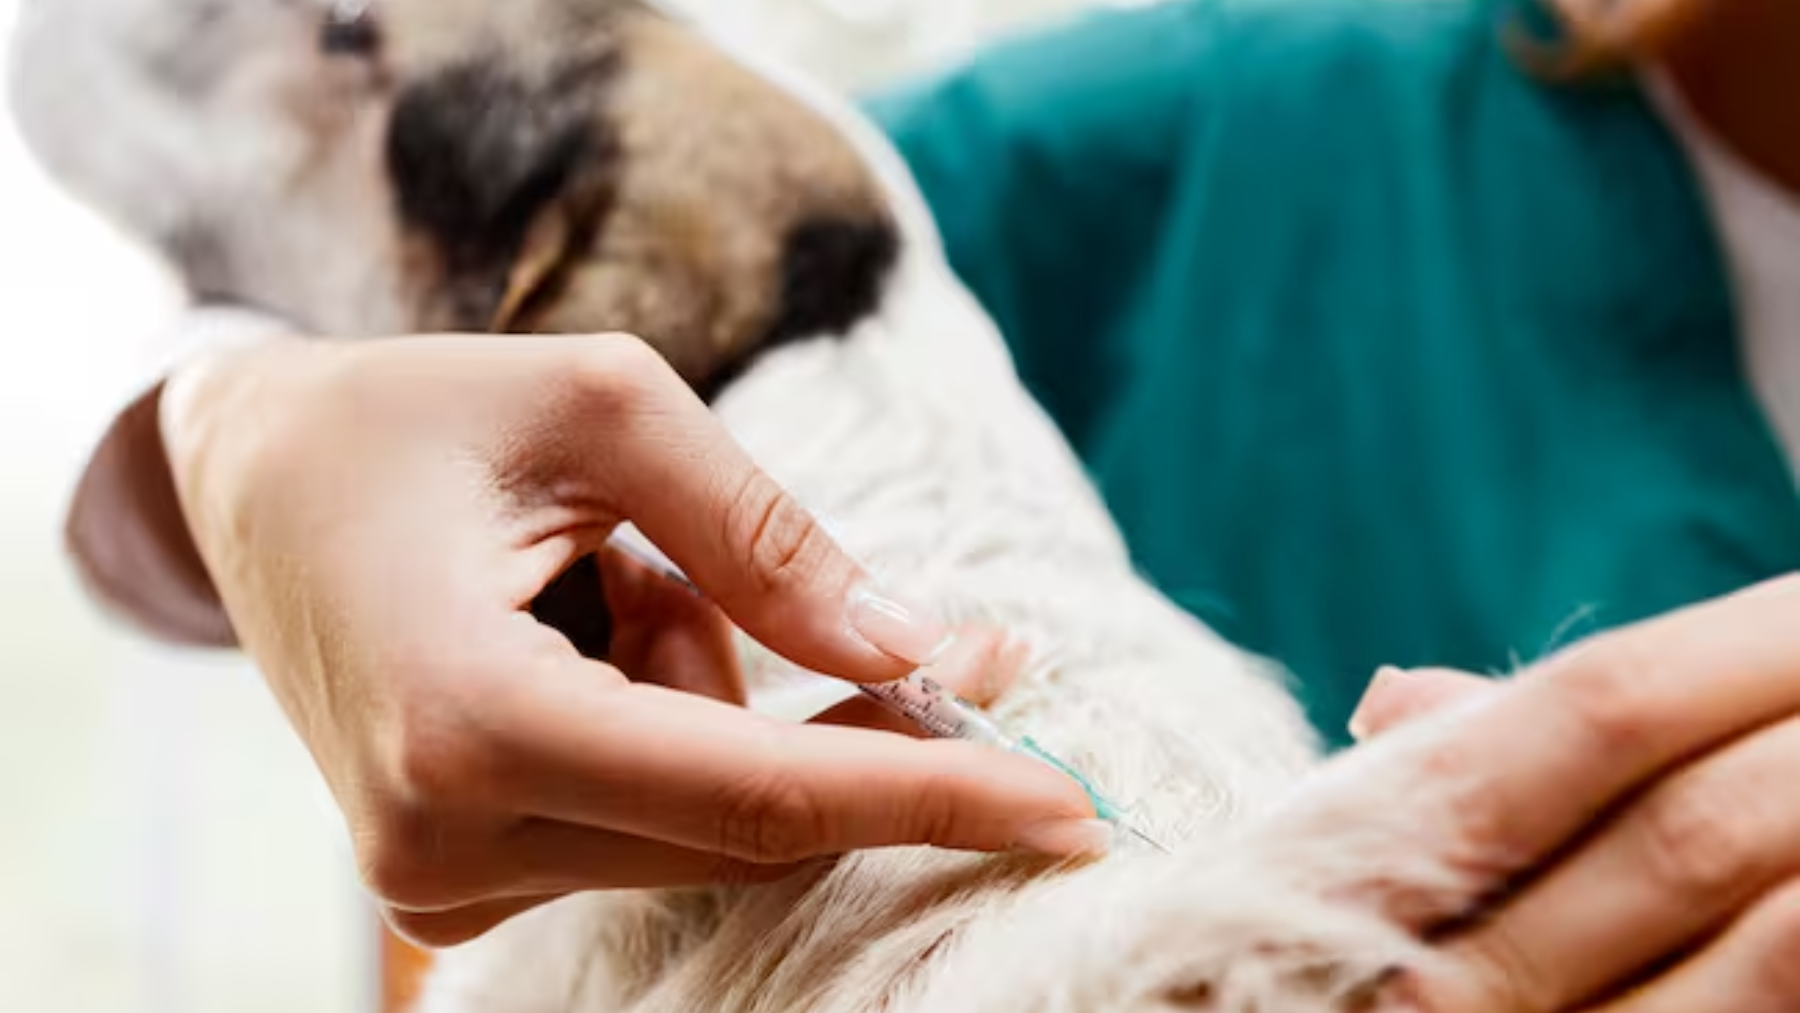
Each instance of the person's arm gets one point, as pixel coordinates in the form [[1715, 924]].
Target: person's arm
[[1049, 163], [125, 531]]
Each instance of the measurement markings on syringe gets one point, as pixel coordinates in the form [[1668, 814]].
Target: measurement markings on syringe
[[922, 701]]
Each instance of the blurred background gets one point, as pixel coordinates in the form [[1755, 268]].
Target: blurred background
[[164, 843]]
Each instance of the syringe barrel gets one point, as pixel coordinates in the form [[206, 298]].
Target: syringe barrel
[[941, 713]]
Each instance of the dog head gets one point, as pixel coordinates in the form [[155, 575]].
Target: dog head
[[389, 166]]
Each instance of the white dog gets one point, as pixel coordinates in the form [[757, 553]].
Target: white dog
[[577, 165]]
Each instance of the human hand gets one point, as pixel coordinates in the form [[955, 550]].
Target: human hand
[[377, 518], [1684, 893]]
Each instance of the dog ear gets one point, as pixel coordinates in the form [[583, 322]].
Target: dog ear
[[537, 269]]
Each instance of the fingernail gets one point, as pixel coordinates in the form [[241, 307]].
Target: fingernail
[[898, 630], [1067, 838], [1359, 722]]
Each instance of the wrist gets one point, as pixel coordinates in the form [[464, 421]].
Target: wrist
[[211, 354], [223, 411]]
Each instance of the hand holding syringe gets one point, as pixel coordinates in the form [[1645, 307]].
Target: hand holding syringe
[[935, 710]]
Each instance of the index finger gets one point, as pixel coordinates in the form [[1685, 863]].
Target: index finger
[[677, 474], [697, 773]]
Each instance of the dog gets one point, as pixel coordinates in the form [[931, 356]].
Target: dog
[[555, 166]]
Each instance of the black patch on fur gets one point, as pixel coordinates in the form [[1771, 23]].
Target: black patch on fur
[[575, 605], [834, 272], [476, 152]]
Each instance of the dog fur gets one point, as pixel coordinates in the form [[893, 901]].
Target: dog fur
[[581, 165]]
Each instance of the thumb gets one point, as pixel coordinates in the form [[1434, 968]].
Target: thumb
[[677, 474], [1397, 697]]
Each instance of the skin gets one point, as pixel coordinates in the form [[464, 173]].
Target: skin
[[483, 765]]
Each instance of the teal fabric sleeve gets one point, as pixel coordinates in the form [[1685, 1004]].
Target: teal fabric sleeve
[[1051, 182]]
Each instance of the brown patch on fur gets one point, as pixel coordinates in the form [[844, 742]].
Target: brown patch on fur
[[595, 167], [718, 168]]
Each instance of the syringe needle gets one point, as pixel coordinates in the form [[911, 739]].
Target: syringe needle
[[1140, 835]]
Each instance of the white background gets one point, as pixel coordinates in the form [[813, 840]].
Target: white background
[[162, 845]]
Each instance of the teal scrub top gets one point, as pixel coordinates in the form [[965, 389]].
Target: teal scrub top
[[1381, 349]]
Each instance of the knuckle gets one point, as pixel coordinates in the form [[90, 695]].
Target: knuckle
[[395, 862], [433, 765], [1609, 689], [440, 755], [771, 821], [932, 812], [618, 370], [415, 857], [1480, 838], [1699, 836], [781, 540]]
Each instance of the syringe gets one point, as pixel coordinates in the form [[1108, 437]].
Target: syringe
[[937, 711], [944, 715], [629, 542]]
